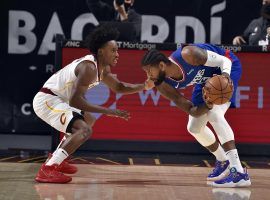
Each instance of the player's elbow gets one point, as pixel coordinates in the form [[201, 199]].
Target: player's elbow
[[72, 102], [119, 88]]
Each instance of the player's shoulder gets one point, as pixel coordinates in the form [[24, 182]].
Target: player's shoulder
[[86, 67]]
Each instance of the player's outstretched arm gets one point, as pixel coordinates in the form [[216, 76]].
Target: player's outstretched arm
[[181, 102], [86, 74], [121, 87]]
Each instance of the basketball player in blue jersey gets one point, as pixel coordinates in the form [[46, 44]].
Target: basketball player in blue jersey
[[193, 64]]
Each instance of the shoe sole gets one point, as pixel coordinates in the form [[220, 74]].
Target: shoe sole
[[242, 183], [42, 180]]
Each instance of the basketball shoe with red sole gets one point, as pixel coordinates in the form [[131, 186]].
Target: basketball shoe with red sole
[[65, 167], [50, 174]]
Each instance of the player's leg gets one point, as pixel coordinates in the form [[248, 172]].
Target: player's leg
[[65, 166], [62, 117], [197, 127], [80, 128], [226, 138]]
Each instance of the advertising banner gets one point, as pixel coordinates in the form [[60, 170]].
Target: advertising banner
[[157, 119]]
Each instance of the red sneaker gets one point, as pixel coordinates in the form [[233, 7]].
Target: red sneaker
[[50, 174], [65, 167]]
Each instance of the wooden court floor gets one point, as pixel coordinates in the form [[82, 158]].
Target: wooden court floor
[[127, 182]]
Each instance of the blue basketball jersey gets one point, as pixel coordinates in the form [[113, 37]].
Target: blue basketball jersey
[[198, 75]]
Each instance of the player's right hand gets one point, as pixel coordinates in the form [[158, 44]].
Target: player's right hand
[[206, 99], [149, 84], [119, 113]]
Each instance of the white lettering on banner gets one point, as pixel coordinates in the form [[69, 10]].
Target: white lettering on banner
[[260, 97], [135, 45], [216, 23], [181, 24], [154, 96], [24, 107], [47, 42], [15, 31], [79, 24], [240, 96], [148, 21], [231, 48], [264, 48], [49, 68], [54, 27], [72, 43]]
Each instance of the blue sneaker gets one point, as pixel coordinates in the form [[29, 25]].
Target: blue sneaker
[[234, 179], [220, 171]]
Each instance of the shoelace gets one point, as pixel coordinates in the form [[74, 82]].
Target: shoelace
[[217, 166]]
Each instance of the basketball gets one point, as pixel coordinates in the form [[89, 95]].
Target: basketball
[[218, 90]]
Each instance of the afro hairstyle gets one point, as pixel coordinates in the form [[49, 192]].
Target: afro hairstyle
[[100, 36]]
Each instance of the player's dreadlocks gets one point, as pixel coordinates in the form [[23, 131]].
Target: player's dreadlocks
[[154, 57], [99, 37]]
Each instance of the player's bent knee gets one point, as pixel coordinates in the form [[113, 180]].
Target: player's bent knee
[[92, 122], [193, 129], [86, 132], [89, 119]]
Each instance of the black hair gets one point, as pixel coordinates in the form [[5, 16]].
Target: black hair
[[100, 36], [154, 57]]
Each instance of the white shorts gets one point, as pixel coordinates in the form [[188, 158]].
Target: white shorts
[[55, 112]]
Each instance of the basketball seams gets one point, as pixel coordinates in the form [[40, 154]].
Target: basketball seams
[[218, 90], [213, 85]]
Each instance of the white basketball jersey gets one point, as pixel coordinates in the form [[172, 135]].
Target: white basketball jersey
[[61, 82]]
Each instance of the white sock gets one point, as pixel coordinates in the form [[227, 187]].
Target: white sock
[[61, 142], [233, 157], [58, 156], [220, 154]]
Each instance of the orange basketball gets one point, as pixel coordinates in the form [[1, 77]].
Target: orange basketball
[[218, 89]]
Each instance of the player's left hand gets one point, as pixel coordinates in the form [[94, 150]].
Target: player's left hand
[[149, 84]]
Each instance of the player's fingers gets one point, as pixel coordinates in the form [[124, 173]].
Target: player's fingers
[[124, 114]]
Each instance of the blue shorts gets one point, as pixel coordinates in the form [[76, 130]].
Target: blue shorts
[[236, 72]]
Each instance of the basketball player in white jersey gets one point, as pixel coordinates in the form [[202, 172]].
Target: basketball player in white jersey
[[62, 104]]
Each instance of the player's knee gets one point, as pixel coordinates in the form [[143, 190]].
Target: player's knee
[[86, 132], [92, 122], [193, 128]]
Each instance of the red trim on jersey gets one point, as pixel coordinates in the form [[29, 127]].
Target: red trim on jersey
[[183, 72], [47, 91], [227, 54]]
